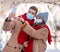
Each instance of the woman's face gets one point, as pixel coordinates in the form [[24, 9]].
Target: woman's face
[[38, 20]]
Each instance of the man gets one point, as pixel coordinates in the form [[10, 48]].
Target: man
[[14, 25], [29, 17]]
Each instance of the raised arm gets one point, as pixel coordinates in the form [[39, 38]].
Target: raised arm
[[8, 25], [38, 34]]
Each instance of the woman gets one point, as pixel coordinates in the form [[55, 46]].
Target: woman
[[39, 36]]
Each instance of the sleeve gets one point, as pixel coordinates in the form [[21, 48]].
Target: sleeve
[[38, 34], [7, 26]]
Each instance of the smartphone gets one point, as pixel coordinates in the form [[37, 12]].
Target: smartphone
[[14, 10]]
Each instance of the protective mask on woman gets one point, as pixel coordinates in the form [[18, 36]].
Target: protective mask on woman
[[38, 21], [30, 16]]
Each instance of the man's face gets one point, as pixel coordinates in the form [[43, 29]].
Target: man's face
[[33, 12]]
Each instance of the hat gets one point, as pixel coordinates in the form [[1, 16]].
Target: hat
[[44, 16]]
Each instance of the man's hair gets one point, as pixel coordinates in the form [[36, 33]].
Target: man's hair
[[34, 8]]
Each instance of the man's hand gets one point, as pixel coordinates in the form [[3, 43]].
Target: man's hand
[[11, 15], [25, 44]]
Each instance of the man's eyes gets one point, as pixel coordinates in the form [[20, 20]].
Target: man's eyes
[[31, 12]]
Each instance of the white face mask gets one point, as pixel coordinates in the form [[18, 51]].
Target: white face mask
[[38, 21]]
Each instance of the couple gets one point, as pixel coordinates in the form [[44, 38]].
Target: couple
[[30, 32]]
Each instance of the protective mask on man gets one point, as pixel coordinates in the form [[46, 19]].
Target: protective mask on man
[[38, 21], [30, 16]]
